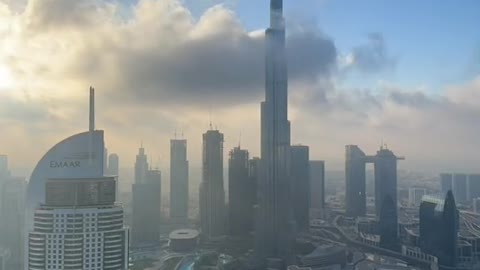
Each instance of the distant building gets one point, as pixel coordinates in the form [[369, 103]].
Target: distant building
[[317, 184], [113, 165], [476, 205], [300, 185], [12, 217], [388, 224], [473, 186], [415, 195], [146, 204], [385, 178], [240, 199], [439, 226], [355, 187], [184, 240], [460, 187], [253, 174], [4, 172], [212, 193], [178, 179], [446, 182]]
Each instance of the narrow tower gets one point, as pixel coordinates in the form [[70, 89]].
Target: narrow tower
[[274, 216]]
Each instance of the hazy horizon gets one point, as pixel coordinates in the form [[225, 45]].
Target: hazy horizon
[[165, 66]]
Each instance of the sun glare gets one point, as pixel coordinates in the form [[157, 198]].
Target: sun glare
[[6, 79]]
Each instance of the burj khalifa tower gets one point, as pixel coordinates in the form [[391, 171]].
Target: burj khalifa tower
[[274, 231]]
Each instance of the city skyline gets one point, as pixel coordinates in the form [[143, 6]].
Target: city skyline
[[36, 103]]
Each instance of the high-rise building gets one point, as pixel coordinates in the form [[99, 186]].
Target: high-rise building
[[146, 203], [72, 219], [254, 174], [79, 227], [460, 187], [385, 177], [212, 193], [317, 184], [415, 195], [178, 179], [275, 226], [473, 186], [476, 205], [446, 182], [388, 224], [240, 187], [300, 185], [141, 166], [12, 217], [4, 172], [439, 225], [355, 195], [113, 165]]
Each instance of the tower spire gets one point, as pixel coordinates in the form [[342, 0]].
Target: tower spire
[[92, 110]]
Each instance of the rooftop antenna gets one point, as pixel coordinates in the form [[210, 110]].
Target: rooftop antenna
[[210, 117], [92, 110], [240, 140]]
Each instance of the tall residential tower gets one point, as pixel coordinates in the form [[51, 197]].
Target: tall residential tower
[[212, 193], [178, 179], [275, 221]]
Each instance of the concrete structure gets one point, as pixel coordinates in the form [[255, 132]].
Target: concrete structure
[[460, 187], [12, 217], [275, 221], [385, 163], [439, 227], [183, 240], [325, 256], [4, 172], [146, 200], [113, 165], [72, 219], [178, 179], [212, 193], [254, 174], [300, 185], [79, 227], [446, 182], [355, 186], [317, 185], [415, 196], [476, 205], [473, 186], [240, 188]]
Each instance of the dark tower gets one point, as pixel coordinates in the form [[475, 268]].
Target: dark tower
[[450, 231], [388, 224], [356, 200]]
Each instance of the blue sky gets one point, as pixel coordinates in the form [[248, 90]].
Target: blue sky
[[434, 43]]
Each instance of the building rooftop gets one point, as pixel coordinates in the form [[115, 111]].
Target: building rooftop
[[184, 234]]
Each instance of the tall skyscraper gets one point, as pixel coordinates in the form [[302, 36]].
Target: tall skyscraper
[[388, 224], [446, 182], [72, 219], [460, 187], [212, 193], [141, 166], [12, 217], [254, 174], [300, 186], [240, 187], [113, 164], [415, 195], [178, 179], [355, 195], [275, 226], [473, 186], [79, 227], [385, 178], [146, 203], [4, 172], [317, 186], [439, 221]]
